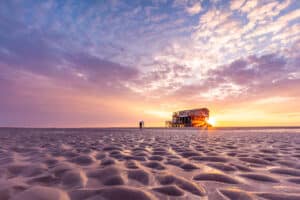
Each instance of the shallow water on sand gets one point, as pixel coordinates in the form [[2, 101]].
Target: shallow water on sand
[[254, 163]]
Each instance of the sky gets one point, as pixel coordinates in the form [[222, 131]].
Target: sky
[[112, 63]]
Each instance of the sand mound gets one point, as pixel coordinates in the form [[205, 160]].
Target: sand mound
[[242, 168], [112, 193], [69, 154], [259, 177], [291, 164], [100, 156], [215, 177], [188, 166], [60, 169], [139, 175], [255, 161], [74, 178], [235, 194], [294, 180], [188, 154], [107, 161], [139, 158], [51, 162], [111, 148], [107, 176], [82, 160], [275, 196], [209, 158], [45, 180], [222, 167], [113, 180], [41, 193], [26, 170], [118, 193], [9, 188], [6, 158], [170, 190], [157, 158], [182, 183], [131, 164], [175, 162], [154, 165], [284, 171]]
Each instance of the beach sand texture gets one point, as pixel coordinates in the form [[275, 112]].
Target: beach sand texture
[[120, 164]]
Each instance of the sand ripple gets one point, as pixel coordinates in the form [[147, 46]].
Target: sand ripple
[[41, 193], [182, 183], [277, 196], [259, 177], [235, 194], [285, 171], [170, 190], [215, 177], [139, 175], [115, 164], [112, 193]]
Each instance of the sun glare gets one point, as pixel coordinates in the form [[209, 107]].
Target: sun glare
[[211, 121]]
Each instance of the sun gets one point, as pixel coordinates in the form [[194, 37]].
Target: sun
[[211, 121]]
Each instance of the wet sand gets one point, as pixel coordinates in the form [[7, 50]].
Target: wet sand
[[116, 164]]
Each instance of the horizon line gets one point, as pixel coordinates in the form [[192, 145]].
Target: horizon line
[[149, 127]]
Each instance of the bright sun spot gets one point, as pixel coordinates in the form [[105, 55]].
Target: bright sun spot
[[211, 121]]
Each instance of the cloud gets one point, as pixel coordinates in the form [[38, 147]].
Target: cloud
[[276, 99], [252, 69], [191, 7], [257, 75], [195, 9], [249, 5], [98, 70], [236, 4], [44, 56], [245, 79], [290, 16]]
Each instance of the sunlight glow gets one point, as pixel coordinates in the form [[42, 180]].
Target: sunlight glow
[[211, 121], [160, 114]]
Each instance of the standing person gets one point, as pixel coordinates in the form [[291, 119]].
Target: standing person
[[141, 124]]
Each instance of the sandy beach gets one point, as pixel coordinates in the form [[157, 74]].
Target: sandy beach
[[116, 164]]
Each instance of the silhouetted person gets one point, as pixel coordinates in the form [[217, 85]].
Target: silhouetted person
[[141, 123]]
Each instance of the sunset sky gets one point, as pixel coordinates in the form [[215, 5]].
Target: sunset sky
[[114, 62]]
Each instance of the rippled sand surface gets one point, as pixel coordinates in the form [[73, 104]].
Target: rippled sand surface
[[119, 164]]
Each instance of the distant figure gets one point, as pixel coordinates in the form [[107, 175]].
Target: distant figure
[[141, 123]]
